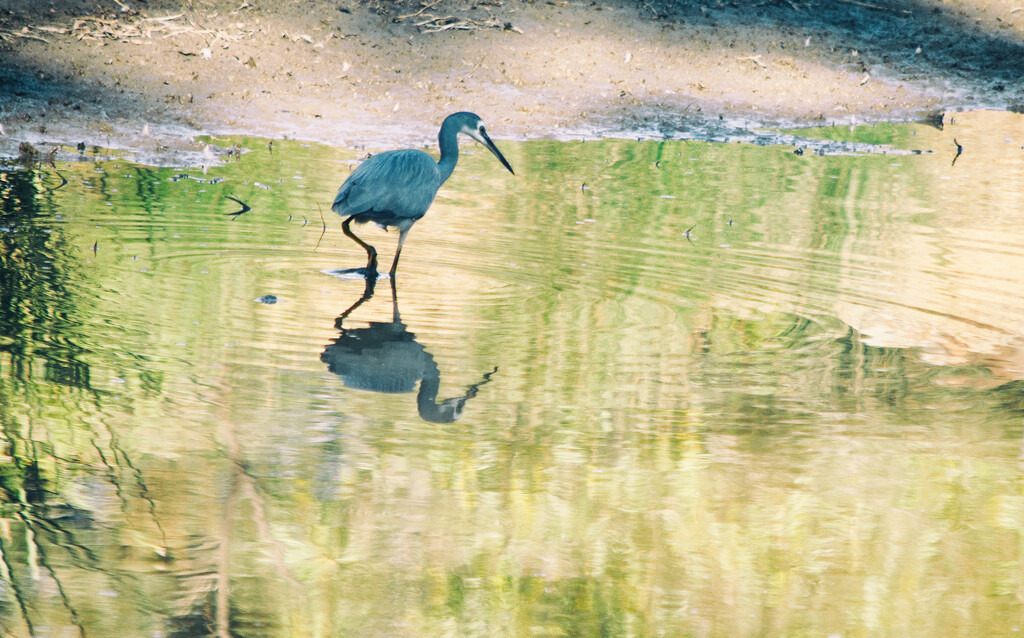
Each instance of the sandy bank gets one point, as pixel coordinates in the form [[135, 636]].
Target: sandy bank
[[150, 75]]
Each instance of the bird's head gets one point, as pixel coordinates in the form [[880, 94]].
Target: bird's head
[[473, 126]]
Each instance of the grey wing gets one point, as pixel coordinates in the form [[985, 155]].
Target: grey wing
[[402, 183]]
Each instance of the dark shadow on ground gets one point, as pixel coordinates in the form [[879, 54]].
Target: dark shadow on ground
[[886, 36]]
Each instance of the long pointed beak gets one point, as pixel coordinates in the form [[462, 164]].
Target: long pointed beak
[[486, 141]]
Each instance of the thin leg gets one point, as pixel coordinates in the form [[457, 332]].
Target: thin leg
[[371, 283], [371, 252], [398, 253], [395, 317], [394, 296]]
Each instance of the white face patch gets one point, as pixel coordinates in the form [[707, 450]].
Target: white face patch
[[477, 133]]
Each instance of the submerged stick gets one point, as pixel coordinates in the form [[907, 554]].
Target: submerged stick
[[245, 207], [323, 226]]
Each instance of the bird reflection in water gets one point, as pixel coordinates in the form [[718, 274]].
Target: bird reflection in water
[[385, 357]]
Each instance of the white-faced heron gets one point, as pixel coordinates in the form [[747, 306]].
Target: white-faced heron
[[395, 188]]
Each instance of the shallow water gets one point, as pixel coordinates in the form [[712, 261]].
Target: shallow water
[[705, 389]]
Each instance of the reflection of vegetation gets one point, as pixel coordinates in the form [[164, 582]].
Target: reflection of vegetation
[[65, 468], [38, 322], [727, 433], [902, 136], [36, 309]]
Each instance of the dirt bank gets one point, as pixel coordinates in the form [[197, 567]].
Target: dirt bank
[[150, 75]]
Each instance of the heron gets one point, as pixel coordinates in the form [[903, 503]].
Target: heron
[[385, 357], [395, 188]]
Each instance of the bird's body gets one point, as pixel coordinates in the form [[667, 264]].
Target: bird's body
[[395, 188], [412, 179]]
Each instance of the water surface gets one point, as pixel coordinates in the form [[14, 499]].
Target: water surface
[[706, 389]]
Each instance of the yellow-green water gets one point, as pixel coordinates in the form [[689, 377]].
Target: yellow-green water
[[738, 391]]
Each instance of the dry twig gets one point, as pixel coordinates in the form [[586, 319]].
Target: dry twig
[[422, 9], [877, 7], [430, 23], [756, 59], [170, 26], [435, 24]]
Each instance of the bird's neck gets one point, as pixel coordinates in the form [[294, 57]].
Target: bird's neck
[[426, 399], [447, 139]]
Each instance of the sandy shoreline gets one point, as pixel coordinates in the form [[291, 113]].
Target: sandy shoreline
[[148, 77]]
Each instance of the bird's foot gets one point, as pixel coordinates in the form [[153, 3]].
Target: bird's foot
[[355, 273]]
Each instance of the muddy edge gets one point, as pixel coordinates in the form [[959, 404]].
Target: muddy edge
[[149, 76]]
